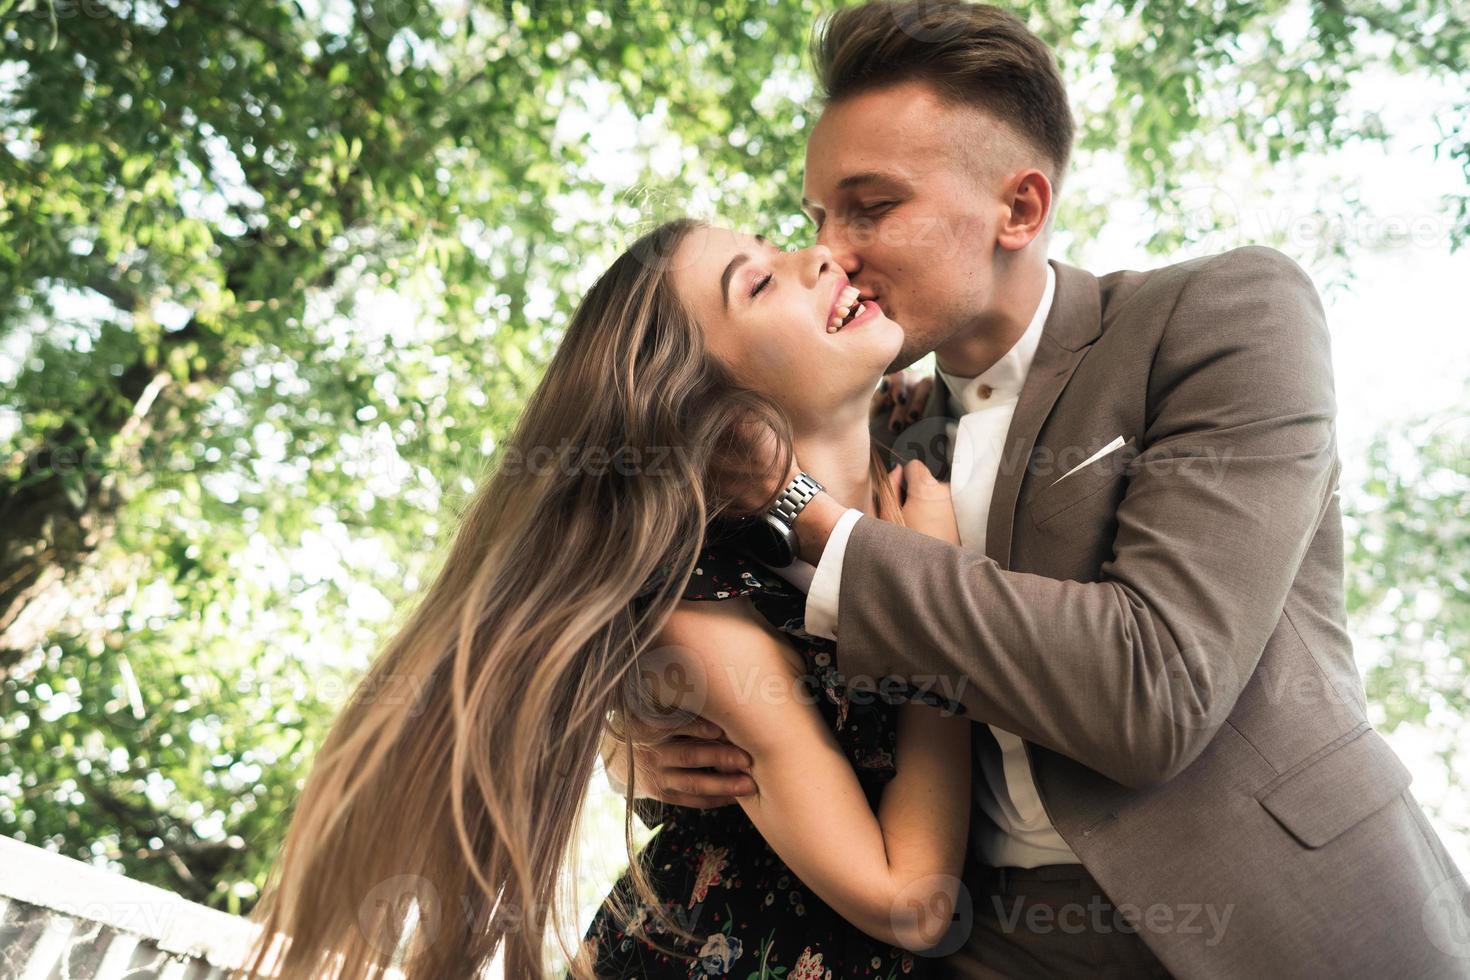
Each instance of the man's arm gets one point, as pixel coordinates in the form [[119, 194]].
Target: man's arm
[[1133, 674], [814, 526], [824, 524], [824, 537]]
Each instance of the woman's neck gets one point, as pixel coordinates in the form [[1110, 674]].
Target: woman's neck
[[838, 454]]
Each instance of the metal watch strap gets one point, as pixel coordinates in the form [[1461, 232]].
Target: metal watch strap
[[797, 495]]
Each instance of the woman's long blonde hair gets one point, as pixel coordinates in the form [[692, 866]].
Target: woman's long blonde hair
[[452, 814]]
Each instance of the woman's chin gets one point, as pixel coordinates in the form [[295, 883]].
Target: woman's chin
[[886, 335], [880, 326]]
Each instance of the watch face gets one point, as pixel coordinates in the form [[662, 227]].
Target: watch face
[[770, 541]]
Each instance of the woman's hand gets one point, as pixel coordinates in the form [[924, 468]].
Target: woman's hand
[[925, 501], [901, 396], [675, 772]]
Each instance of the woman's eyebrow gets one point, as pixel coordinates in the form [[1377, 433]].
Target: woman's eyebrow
[[735, 263]]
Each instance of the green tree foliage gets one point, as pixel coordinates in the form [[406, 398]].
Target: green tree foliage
[[275, 277], [1409, 580]]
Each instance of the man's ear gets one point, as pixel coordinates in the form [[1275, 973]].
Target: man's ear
[[1028, 195]]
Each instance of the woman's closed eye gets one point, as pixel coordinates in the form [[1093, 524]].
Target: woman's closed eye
[[760, 284]]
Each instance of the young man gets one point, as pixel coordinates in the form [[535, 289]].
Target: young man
[[1174, 767]]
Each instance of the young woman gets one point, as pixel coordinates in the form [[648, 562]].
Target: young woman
[[584, 597]]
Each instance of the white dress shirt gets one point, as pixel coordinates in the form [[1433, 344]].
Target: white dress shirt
[[799, 573], [1023, 836]]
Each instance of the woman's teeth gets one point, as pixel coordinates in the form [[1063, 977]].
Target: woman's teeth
[[845, 315], [845, 306]]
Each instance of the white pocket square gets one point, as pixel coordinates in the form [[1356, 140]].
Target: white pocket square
[[1117, 443]]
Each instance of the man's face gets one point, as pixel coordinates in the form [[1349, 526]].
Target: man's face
[[906, 192]]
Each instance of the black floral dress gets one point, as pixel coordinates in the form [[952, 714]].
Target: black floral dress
[[719, 878]]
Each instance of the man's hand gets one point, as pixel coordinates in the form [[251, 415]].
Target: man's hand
[[677, 772], [901, 396], [926, 503], [751, 473]]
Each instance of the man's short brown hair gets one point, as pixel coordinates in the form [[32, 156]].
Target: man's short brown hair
[[971, 53]]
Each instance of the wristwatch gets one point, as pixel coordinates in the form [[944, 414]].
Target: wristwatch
[[771, 537]]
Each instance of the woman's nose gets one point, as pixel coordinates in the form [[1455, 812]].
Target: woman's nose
[[844, 255], [816, 262]]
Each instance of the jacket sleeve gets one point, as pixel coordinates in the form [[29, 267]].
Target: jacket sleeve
[[1131, 675]]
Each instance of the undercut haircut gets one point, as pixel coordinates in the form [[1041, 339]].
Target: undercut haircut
[[970, 54]]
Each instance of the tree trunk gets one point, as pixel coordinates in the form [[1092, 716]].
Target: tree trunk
[[63, 506]]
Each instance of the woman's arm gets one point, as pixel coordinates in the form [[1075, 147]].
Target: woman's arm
[[894, 875]]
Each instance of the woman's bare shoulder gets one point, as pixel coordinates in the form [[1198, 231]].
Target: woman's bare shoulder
[[727, 631]]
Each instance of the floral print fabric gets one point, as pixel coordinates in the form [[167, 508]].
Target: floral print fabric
[[716, 874]]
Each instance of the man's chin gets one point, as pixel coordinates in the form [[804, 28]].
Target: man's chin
[[906, 359]]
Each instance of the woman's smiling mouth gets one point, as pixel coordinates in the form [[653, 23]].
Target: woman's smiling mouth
[[862, 313], [842, 307], [847, 309]]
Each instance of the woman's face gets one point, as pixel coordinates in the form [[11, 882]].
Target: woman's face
[[765, 315]]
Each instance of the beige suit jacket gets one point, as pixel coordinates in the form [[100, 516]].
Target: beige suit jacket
[[1165, 627]]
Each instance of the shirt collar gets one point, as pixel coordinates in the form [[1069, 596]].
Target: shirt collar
[[1004, 378]]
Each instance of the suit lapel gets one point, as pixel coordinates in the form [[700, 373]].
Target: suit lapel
[[1074, 322]]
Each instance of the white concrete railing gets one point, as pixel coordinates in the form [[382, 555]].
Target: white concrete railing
[[61, 918]]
